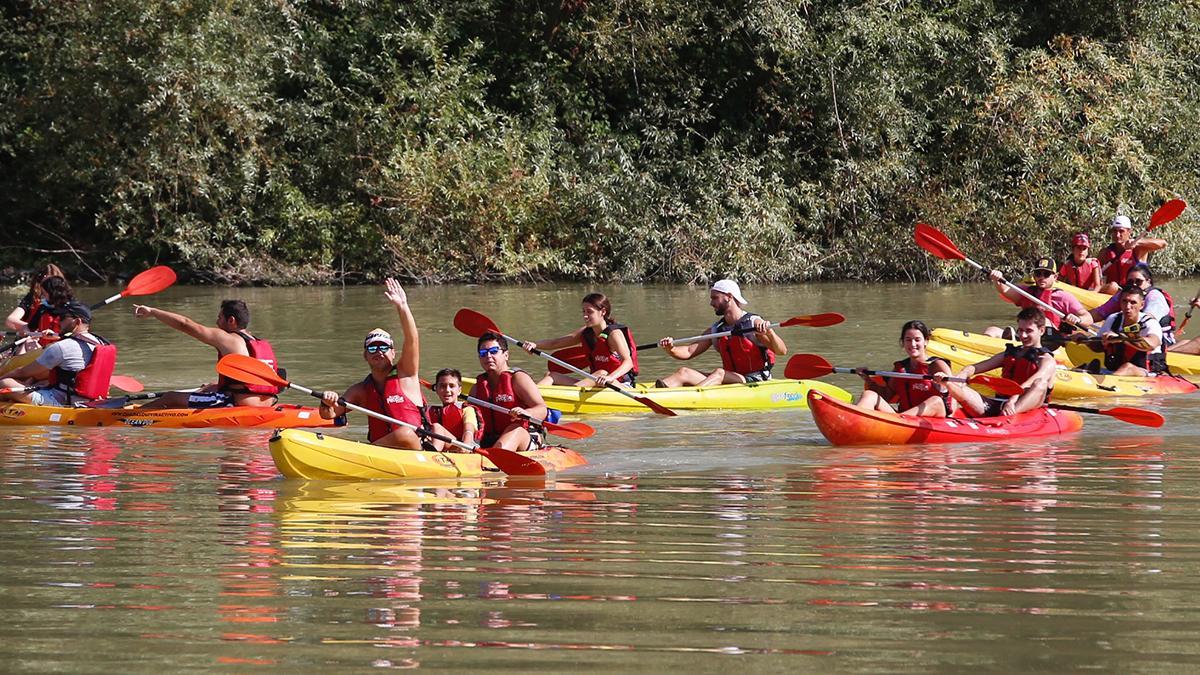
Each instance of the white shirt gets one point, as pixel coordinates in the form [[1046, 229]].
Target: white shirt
[[1149, 326]]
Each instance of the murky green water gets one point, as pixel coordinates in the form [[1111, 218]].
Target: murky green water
[[704, 542]]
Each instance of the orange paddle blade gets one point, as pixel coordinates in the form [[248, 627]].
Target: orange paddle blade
[[470, 322], [807, 366], [1000, 385], [932, 240], [572, 430], [249, 370], [814, 320], [1166, 213], [151, 281], [512, 463], [126, 383], [1145, 418]]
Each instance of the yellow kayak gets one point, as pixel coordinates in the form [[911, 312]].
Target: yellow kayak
[[1089, 299], [275, 417], [11, 364], [1075, 384], [1072, 355], [781, 393], [308, 454]]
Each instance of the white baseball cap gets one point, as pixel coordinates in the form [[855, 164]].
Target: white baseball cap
[[1120, 222], [377, 336], [730, 286]]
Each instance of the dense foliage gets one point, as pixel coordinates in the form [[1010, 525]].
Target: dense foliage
[[773, 140]]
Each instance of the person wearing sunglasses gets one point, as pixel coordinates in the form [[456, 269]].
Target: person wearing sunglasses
[[1044, 290], [393, 387], [510, 388]]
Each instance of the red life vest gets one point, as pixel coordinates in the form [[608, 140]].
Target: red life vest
[[503, 395], [1119, 261], [739, 353], [391, 401], [1116, 355], [1020, 364], [1167, 322], [910, 393], [93, 381], [451, 417], [263, 351], [42, 318], [1078, 275], [603, 356]]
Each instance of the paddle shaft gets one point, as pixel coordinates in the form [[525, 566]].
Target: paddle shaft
[[1188, 317], [902, 376], [1027, 296], [392, 420], [701, 338], [552, 359]]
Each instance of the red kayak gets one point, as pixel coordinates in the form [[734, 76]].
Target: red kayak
[[844, 424]]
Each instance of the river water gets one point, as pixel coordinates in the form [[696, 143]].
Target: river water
[[707, 541]]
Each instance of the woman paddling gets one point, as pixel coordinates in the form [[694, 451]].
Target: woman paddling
[[34, 315], [910, 397], [608, 345]]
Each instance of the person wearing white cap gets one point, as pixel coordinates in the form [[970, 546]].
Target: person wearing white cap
[[393, 387], [1123, 253], [231, 335], [746, 356]]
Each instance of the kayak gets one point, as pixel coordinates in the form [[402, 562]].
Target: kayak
[[12, 363], [1089, 299], [984, 344], [844, 424], [1075, 384], [311, 454], [1071, 354], [767, 395], [280, 416]]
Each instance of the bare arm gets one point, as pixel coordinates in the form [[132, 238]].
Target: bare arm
[[225, 343], [572, 338], [16, 320], [616, 340], [527, 394], [409, 364], [686, 352]]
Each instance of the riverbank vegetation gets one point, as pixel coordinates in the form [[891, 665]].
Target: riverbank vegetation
[[774, 140]]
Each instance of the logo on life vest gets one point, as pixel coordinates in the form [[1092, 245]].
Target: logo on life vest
[[270, 363], [395, 398], [505, 398]]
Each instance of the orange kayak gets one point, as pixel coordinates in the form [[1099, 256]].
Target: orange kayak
[[276, 417], [844, 424]]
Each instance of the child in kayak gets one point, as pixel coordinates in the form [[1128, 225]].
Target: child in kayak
[[1031, 365], [461, 420], [607, 347], [1080, 269], [924, 398]]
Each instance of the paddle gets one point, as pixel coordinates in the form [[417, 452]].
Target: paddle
[[120, 401], [470, 322], [1161, 216], [1145, 418], [149, 282], [122, 382], [251, 370], [806, 366], [1188, 317], [810, 320], [939, 245], [572, 430]]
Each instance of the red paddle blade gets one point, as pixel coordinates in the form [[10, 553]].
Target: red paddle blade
[[1000, 385], [1166, 213], [815, 320], [932, 240], [656, 407], [1145, 418], [576, 356], [126, 383], [572, 430], [151, 281], [807, 366], [470, 322], [249, 370], [512, 463]]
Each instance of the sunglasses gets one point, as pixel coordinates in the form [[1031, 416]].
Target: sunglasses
[[1041, 273], [378, 349], [490, 351]]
